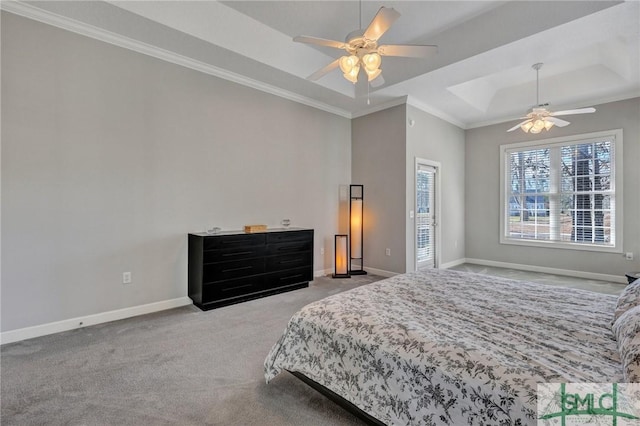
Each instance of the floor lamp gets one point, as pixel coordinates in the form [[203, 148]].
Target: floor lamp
[[341, 260], [356, 260]]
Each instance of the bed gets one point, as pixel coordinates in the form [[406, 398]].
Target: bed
[[448, 347]]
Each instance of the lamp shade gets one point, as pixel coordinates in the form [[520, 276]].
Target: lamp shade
[[538, 125], [527, 126], [356, 230], [372, 75], [372, 61], [352, 75], [347, 63], [341, 257]]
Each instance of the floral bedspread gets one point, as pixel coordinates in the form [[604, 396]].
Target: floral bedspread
[[450, 348]]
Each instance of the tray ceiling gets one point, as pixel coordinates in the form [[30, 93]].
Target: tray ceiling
[[481, 75]]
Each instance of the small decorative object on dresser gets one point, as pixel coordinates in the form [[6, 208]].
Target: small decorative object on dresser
[[211, 230], [234, 266], [255, 228]]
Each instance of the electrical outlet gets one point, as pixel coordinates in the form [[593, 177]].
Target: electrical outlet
[[321, 250], [126, 278], [628, 255], [387, 251]]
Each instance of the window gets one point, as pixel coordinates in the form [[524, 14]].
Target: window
[[562, 192]]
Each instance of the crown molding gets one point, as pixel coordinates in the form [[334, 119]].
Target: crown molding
[[31, 12], [382, 106], [435, 112], [409, 100]]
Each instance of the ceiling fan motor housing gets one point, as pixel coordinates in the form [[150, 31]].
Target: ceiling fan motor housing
[[356, 44], [540, 110]]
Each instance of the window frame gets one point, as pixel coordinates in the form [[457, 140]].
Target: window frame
[[615, 135]]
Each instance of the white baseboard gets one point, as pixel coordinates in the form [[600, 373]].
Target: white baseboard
[[554, 271], [374, 271], [453, 263], [380, 272], [322, 273], [79, 322]]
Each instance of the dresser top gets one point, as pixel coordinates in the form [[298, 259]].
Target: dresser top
[[240, 232]]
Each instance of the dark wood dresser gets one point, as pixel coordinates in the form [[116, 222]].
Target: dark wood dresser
[[232, 267]]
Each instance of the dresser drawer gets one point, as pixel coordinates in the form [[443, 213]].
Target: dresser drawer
[[235, 269], [289, 277], [290, 247], [285, 237], [234, 253], [232, 241], [288, 261], [233, 288]]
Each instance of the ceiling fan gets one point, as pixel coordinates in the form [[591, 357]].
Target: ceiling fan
[[540, 118], [363, 50]]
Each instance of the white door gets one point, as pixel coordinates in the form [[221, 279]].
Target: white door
[[425, 216]]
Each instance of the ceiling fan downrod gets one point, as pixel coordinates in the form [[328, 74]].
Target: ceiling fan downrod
[[537, 68]]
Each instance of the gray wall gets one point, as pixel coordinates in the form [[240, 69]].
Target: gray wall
[[384, 149], [483, 186], [431, 138], [379, 163], [109, 158]]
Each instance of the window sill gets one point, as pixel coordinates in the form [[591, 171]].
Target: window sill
[[561, 245]]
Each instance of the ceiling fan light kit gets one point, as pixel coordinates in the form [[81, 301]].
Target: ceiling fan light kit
[[350, 66], [540, 118], [372, 62], [538, 122], [363, 50]]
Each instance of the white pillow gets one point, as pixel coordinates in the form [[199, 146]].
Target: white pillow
[[629, 298], [627, 332]]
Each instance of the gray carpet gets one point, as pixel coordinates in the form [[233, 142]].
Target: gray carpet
[[177, 367], [180, 367]]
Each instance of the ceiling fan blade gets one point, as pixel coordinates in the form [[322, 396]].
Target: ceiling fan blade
[[407, 50], [518, 125], [558, 122], [574, 111], [385, 17], [319, 41], [322, 71]]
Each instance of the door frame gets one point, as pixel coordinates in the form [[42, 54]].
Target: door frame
[[437, 201]]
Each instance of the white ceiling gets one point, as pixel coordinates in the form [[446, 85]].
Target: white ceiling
[[481, 75]]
